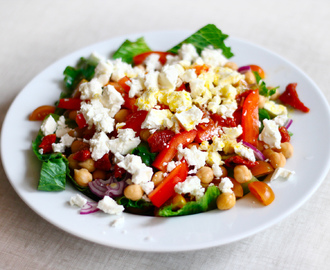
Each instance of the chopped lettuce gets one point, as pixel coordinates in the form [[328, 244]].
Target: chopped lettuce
[[263, 114], [208, 35], [206, 203], [140, 207], [130, 49], [143, 151], [263, 90]]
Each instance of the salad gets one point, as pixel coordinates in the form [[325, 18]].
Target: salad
[[166, 133]]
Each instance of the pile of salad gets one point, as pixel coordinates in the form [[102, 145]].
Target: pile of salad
[[166, 133]]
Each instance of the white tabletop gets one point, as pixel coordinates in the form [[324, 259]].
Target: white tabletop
[[33, 34]]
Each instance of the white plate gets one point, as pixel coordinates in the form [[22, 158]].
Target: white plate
[[310, 162]]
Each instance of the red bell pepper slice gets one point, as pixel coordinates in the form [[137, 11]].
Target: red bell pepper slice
[[46, 143], [285, 136], [159, 139], [81, 121], [167, 154], [290, 97], [165, 189], [135, 120], [69, 103], [139, 59], [206, 131], [250, 118], [122, 83]]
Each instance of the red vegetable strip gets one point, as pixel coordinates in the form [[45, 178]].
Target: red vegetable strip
[[81, 121], [69, 103], [165, 189], [238, 160], [290, 97], [250, 118], [46, 143], [167, 154], [139, 59]]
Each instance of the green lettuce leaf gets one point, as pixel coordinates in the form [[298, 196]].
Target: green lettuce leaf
[[130, 49], [263, 90], [53, 175], [143, 151], [263, 114], [206, 203], [208, 35], [139, 207]]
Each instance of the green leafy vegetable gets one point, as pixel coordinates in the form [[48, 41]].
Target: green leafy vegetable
[[130, 49], [139, 207], [208, 35], [263, 114], [53, 175], [263, 90], [206, 203], [143, 151]]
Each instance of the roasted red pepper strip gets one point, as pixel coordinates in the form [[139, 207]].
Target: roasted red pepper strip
[[81, 121], [135, 120], [119, 172], [290, 97], [165, 189], [238, 160], [103, 163], [250, 118], [159, 139], [82, 155], [139, 59], [285, 136], [167, 154], [46, 143], [206, 131], [69, 103]]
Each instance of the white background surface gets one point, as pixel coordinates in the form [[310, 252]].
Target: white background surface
[[34, 34]]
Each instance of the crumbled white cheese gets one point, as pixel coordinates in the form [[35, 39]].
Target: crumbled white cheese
[[78, 200], [193, 156], [191, 185], [226, 185], [188, 52], [136, 87], [169, 75], [243, 151], [141, 173], [158, 119], [270, 134], [90, 89], [216, 170], [190, 118], [62, 128], [233, 132], [112, 100], [152, 62], [282, 173], [103, 72], [188, 76], [118, 222], [110, 206], [125, 142], [213, 57], [48, 126], [99, 145]]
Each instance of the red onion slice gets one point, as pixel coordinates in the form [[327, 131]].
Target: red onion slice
[[244, 69], [288, 123], [257, 153], [88, 208], [110, 187]]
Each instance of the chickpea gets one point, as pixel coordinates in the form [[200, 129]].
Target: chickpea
[[88, 164], [262, 101], [242, 174], [121, 115], [157, 178], [231, 65], [267, 152], [144, 134], [226, 201], [78, 145], [287, 149], [72, 115], [224, 171], [250, 78], [82, 177], [133, 192], [179, 201], [73, 164], [277, 160], [99, 174], [276, 95], [260, 146], [77, 132], [205, 174]]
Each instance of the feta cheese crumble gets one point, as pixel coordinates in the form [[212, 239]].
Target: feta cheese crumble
[[110, 206]]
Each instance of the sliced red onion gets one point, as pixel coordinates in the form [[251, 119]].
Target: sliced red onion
[[110, 187], [288, 123], [88, 208], [244, 69], [257, 153]]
